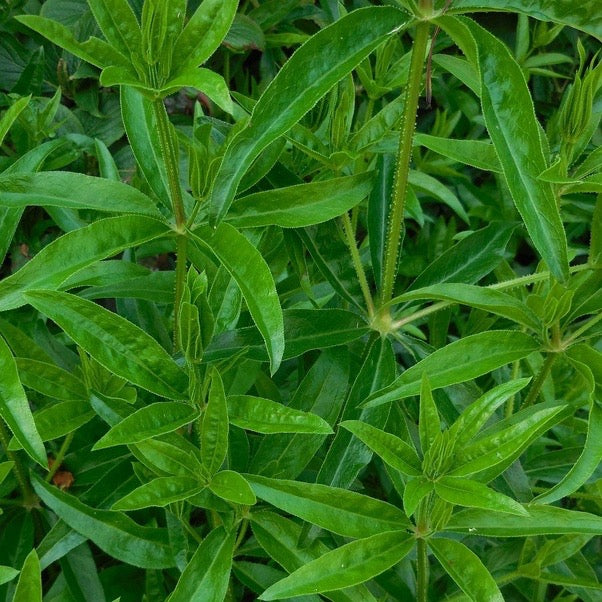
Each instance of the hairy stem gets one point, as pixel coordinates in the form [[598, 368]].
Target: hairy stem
[[404, 155], [29, 496], [539, 381], [169, 151], [422, 570]]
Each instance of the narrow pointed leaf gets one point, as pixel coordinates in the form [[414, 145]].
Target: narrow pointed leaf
[[76, 250], [458, 362], [159, 492], [246, 265], [514, 131], [214, 430], [113, 532], [344, 512], [206, 576], [7, 573], [393, 450], [14, 408], [147, 422], [266, 416], [114, 342], [348, 565], [429, 423], [119, 25], [466, 569], [29, 586], [415, 490], [314, 68], [465, 492], [11, 115]]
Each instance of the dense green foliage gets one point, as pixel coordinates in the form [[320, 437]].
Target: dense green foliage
[[300, 299]]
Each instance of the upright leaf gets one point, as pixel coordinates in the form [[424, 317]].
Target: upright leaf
[[515, 133], [314, 68], [11, 115], [119, 25], [114, 342], [214, 430], [29, 586], [14, 408], [246, 265]]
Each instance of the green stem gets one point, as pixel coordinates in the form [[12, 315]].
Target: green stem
[[169, 152], [60, 456], [509, 409], [404, 155], [357, 263], [539, 381], [584, 328], [422, 570], [29, 497]]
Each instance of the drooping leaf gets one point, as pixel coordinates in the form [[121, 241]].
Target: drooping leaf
[[14, 408], [266, 416], [314, 68], [466, 569], [147, 422], [114, 342], [458, 362], [246, 265], [514, 131], [348, 565], [344, 512], [113, 532], [76, 250]]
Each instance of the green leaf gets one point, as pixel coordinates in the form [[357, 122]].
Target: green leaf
[[76, 250], [203, 33], [466, 569], [5, 468], [170, 455], [514, 131], [304, 329], [587, 18], [116, 343], [429, 423], [232, 487], [348, 565], [206, 576], [314, 68], [486, 299], [478, 153], [29, 586], [59, 419], [469, 260], [543, 520], [595, 247], [119, 25], [462, 360], [214, 430], [159, 492], [416, 490], [14, 408], [50, 380], [266, 416], [11, 115], [464, 492], [344, 512], [393, 450], [143, 134], [246, 265], [210, 83], [301, 205], [113, 532], [147, 422], [7, 573], [73, 191]]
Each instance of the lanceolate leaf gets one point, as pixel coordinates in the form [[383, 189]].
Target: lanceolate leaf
[[348, 565], [458, 362], [76, 250], [344, 512], [514, 131], [159, 492], [301, 205], [74, 191], [245, 264], [29, 586], [11, 114], [114, 342], [147, 422], [206, 576], [587, 18], [466, 569], [119, 25], [113, 532], [214, 430], [14, 408], [314, 68]]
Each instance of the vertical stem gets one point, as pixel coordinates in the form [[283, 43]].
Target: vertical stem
[[60, 456], [357, 263], [26, 490], [400, 184], [422, 570], [169, 151], [539, 381]]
